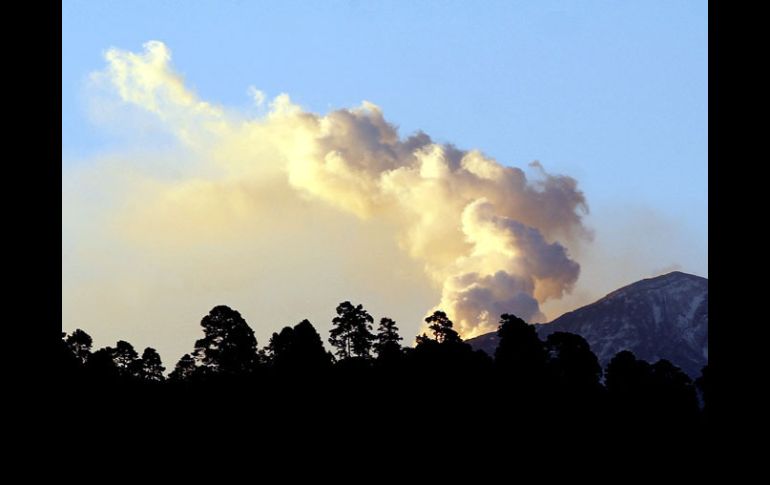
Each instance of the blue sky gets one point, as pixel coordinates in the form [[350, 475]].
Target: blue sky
[[612, 93]]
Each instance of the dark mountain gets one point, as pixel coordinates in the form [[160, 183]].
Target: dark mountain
[[665, 317]]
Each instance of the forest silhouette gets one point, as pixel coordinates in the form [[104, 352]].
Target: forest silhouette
[[372, 386]]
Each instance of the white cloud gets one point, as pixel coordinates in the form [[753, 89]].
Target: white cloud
[[325, 190]]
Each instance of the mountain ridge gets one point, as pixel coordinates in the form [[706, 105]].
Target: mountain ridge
[[662, 317]]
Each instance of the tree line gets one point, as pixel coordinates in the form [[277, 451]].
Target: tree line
[[558, 378]]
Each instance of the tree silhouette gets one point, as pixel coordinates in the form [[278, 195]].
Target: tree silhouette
[[185, 369], [629, 385], [445, 358], [101, 365], [151, 368], [69, 365], [571, 363], [421, 340], [228, 346], [125, 358], [298, 348], [387, 343], [352, 332], [626, 376], [80, 345], [675, 397], [555, 383], [520, 351], [442, 329], [279, 347]]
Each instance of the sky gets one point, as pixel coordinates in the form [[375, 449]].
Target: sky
[[610, 94]]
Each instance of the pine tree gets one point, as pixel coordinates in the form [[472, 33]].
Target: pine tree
[[80, 345], [228, 345], [184, 370], [125, 358], [387, 341], [520, 353], [298, 348], [352, 332], [151, 366], [442, 329]]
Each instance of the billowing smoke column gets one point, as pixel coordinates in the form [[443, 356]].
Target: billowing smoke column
[[483, 232]]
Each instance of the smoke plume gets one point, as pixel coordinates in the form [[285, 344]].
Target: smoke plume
[[489, 238]]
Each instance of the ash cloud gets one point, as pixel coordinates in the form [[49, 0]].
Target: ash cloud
[[487, 237]]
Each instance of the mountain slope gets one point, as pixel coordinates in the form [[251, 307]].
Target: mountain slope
[[665, 317]]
